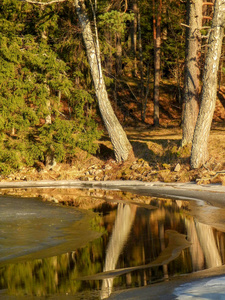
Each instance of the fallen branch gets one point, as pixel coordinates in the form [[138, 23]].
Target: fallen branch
[[43, 3], [211, 178]]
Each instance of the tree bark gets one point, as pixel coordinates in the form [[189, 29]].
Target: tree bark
[[121, 145], [118, 46], [134, 34], [192, 70], [140, 55], [157, 10], [199, 153]]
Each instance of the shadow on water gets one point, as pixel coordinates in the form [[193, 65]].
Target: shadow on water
[[140, 244]]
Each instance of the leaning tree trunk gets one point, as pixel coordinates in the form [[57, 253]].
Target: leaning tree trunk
[[192, 70], [121, 145], [199, 153]]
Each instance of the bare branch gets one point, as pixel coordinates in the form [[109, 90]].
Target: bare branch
[[125, 6], [43, 3], [208, 3], [185, 25]]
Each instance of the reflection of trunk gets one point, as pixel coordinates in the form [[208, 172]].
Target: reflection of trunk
[[197, 256], [162, 243], [192, 70], [199, 153], [208, 245], [121, 145], [157, 10], [124, 220]]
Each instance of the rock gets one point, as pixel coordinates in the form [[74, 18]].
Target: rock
[[107, 167], [177, 168], [54, 200], [97, 172]]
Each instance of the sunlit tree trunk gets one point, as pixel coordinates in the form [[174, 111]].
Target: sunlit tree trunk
[[121, 145], [157, 11], [199, 153], [192, 69]]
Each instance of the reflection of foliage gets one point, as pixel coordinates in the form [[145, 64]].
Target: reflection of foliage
[[56, 274], [97, 224], [60, 274]]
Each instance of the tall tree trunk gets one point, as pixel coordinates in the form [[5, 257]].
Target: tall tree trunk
[[199, 153], [140, 55], [192, 69], [157, 11], [144, 101], [121, 145], [134, 35], [118, 47]]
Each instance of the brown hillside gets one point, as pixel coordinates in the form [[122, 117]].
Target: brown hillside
[[157, 150]]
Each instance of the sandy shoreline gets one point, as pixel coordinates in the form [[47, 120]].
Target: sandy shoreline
[[213, 194], [134, 184]]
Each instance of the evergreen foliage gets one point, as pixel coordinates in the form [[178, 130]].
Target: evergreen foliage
[[32, 75], [47, 102]]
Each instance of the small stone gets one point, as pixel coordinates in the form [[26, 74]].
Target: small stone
[[177, 168], [98, 172], [107, 167], [54, 200]]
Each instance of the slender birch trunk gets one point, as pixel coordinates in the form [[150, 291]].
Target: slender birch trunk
[[199, 153], [192, 70], [121, 145]]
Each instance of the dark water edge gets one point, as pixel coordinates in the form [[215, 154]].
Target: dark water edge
[[136, 245]]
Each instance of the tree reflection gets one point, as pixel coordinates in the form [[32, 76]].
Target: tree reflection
[[123, 223], [139, 245], [208, 245]]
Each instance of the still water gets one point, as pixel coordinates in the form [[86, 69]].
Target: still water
[[97, 243]]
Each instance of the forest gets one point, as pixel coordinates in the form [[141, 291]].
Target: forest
[[73, 73]]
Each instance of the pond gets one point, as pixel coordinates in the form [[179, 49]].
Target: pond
[[99, 242]]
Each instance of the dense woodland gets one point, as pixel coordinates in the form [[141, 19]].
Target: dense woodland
[[71, 69]]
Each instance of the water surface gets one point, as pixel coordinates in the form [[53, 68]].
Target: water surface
[[140, 240]]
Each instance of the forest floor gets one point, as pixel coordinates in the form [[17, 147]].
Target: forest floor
[[158, 155]]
